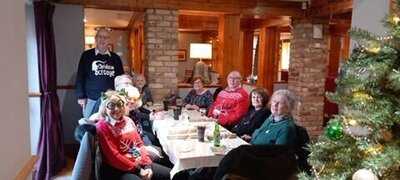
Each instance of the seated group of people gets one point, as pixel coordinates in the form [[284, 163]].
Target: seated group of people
[[248, 115], [125, 142], [126, 146], [123, 128]]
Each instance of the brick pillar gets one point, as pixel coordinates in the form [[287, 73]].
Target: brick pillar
[[161, 45], [307, 72]]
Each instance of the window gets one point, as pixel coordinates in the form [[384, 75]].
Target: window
[[254, 62], [285, 56]]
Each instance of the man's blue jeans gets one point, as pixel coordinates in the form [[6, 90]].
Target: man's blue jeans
[[90, 104]]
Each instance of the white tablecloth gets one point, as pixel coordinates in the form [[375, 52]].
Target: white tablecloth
[[188, 153]]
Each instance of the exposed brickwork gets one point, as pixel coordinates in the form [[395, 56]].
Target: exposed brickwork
[[161, 45], [307, 71]]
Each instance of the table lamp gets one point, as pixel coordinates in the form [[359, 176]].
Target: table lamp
[[201, 51]]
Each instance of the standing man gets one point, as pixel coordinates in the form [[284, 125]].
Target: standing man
[[232, 103], [96, 72]]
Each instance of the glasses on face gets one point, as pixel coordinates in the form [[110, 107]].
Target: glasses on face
[[102, 37], [235, 78], [256, 97], [113, 105], [103, 28], [197, 82]]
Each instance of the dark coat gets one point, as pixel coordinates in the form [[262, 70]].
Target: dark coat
[[267, 162], [251, 121]]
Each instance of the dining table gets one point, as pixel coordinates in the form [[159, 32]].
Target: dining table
[[179, 140]]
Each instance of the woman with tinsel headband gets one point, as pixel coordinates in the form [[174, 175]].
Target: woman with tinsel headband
[[125, 156]]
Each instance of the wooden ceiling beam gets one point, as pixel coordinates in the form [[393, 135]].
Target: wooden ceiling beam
[[280, 22], [200, 13], [319, 3], [201, 23], [283, 21], [190, 30], [139, 5], [332, 8], [246, 7]]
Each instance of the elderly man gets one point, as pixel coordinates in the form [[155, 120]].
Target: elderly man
[[96, 72], [231, 103]]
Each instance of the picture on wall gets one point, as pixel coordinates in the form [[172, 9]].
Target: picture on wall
[[181, 55]]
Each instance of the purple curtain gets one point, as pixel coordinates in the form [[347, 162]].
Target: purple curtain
[[51, 146]]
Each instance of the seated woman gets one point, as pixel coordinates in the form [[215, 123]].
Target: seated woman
[[123, 152], [133, 103], [279, 128], [198, 97], [140, 83], [123, 82], [256, 114]]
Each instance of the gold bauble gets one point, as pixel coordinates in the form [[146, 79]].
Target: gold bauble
[[374, 150], [362, 96], [353, 122], [374, 49]]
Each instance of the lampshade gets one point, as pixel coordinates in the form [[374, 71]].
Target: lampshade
[[201, 50], [89, 40]]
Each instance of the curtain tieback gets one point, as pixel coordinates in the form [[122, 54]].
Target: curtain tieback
[[48, 93]]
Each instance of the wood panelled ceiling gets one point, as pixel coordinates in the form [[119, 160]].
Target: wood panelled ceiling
[[203, 14], [245, 7], [280, 21], [110, 18], [321, 8]]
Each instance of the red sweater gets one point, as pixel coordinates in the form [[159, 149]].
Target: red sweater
[[233, 105], [121, 145]]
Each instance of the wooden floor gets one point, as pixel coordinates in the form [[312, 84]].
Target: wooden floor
[[66, 173]]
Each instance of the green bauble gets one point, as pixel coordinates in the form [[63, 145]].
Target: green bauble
[[334, 131]]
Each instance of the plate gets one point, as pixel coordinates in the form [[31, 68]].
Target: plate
[[185, 148], [218, 150]]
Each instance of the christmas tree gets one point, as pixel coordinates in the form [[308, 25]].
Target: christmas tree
[[363, 140]]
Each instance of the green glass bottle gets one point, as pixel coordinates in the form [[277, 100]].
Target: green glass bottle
[[217, 136]]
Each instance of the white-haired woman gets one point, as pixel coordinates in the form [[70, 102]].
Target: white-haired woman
[[125, 156], [279, 128], [140, 83], [141, 120]]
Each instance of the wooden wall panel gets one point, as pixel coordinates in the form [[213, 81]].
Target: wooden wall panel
[[228, 49], [334, 55], [338, 51], [268, 62], [137, 38], [247, 52], [205, 23]]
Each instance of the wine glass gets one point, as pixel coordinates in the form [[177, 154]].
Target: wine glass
[[202, 111]]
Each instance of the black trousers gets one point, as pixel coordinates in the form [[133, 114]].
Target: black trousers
[[159, 173]]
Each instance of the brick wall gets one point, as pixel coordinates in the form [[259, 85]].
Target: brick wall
[[307, 71], [161, 45]]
